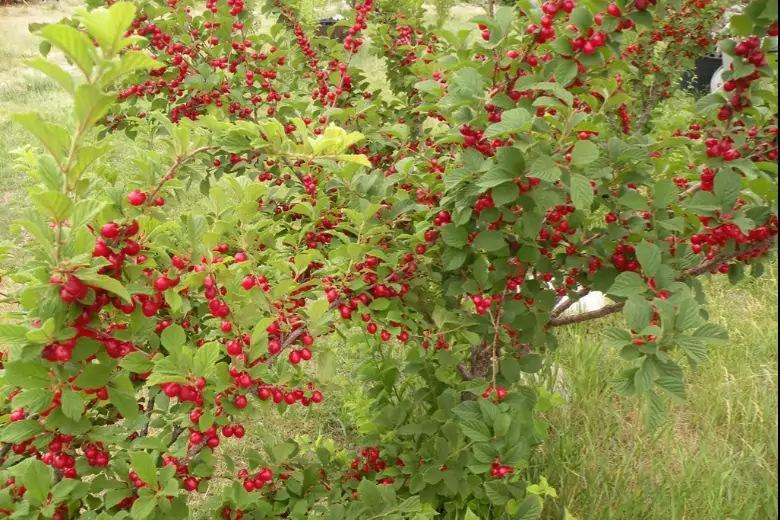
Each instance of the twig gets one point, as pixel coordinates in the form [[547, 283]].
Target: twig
[[145, 430], [704, 267]]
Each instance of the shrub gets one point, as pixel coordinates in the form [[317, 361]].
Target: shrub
[[454, 218]]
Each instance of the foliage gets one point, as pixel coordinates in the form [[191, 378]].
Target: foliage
[[454, 219]]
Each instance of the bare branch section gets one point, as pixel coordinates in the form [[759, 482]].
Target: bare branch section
[[705, 267]]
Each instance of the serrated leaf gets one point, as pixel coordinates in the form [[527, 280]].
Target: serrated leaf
[[712, 333], [653, 411], [452, 258], [37, 479], [19, 431], [673, 386], [477, 431], [664, 193], [584, 152], [530, 509], [544, 168], [137, 362], [52, 70], [54, 205], [72, 404], [144, 466], [107, 283], [495, 177], [206, 358], [53, 137], [454, 236], [628, 284], [489, 240], [638, 313], [73, 43], [512, 121], [173, 337], [581, 192], [649, 256], [93, 376], [12, 334]]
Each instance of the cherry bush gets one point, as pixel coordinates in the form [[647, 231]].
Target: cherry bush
[[277, 197]]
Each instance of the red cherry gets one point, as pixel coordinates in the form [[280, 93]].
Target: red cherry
[[110, 230], [136, 198]]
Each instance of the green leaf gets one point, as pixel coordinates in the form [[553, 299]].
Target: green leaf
[[130, 62], [728, 184], [530, 509], [93, 376], [616, 338], [695, 349], [20, 431], [54, 71], [510, 369], [531, 363], [649, 256], [566, 71], [454, 236], [72, 404], [368, 494], [143, 507], [144, 466], [582, 18], [124, 399], [106, 283], [489, 240], [644, 377], [653, 411], [173, 338], [54, 138], [37, 480], [137, 362], [73, 43], [34, 400], [512, 121], [664, 193], [108, 26], [633, 200], [544, 168], [673, 386], [26, 374], [585, 152], [581, 192], [283, 451], [90, 104], [709, 102], [206, 358], [56, 206], [712, 333], [495, 177], [628, 284], [12, 334], [638, 313], [477, 431], [453, 258]]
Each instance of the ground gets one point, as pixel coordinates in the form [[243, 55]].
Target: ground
[[716, 457]]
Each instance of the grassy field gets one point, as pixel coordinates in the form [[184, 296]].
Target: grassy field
[[716, 458]]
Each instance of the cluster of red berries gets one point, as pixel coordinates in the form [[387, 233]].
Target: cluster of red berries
[[96, 454], [263, 477], [186, 393], [498, 470], [496, 394]]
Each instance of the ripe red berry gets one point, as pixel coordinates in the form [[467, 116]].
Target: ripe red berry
[[136, 198], [110, 230]]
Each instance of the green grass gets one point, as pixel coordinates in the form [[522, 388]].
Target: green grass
[[22, 90], [715, 458]]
